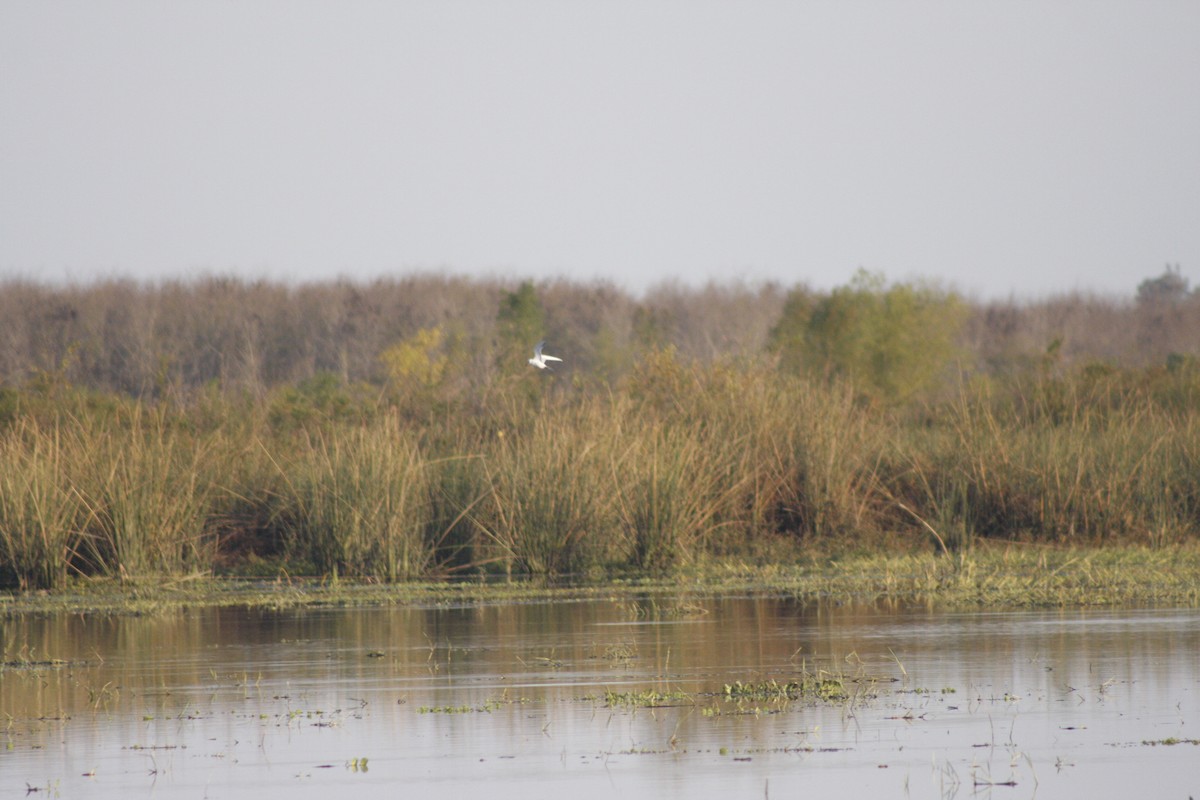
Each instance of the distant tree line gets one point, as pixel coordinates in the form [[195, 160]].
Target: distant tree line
[[458, 335]]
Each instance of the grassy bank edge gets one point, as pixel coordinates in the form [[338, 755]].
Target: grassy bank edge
[[1004, 576]]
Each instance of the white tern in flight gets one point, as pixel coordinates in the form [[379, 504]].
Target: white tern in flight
[[540, 360]]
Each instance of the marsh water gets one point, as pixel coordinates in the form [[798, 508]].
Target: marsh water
[[622, 697]]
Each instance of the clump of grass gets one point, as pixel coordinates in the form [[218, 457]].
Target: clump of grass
[[828, 688], [815, 458], [647, 698], [149, 489], [486, 707], [745, 453], [622, 653], [548, 511], [1099, 473], [41, 514], [463, 709], [358, 503], [670, 496], [458, 487]]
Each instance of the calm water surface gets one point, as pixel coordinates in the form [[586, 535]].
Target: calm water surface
[[509, 700]]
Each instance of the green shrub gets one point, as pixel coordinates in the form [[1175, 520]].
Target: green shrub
[[891, 342]]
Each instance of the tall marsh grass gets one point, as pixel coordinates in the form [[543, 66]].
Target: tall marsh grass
[[549, 510], [675, 463], [1101, 473], [149, 485], [42, 516], [356, 502], [673, 495]]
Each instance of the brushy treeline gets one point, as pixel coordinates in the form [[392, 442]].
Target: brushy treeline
[[393, 431], [149, 339]]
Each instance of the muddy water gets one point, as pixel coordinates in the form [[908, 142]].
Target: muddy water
[[620, 698]]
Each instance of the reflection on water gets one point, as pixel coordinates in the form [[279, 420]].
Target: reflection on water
[[223, 702]]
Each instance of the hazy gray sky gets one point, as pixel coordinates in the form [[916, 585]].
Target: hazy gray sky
[[1002, 147]]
